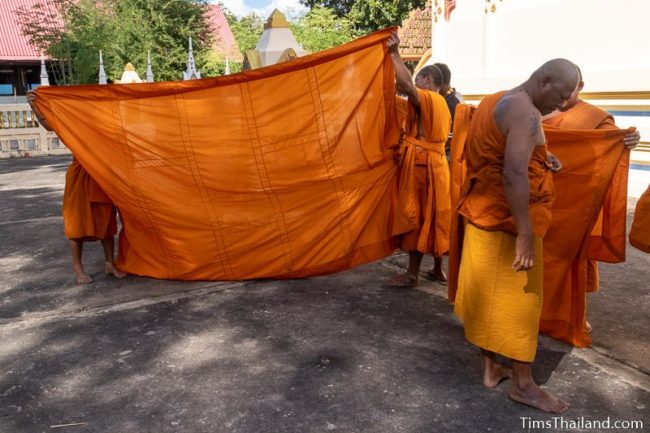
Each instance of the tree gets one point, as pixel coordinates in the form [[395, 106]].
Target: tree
[[247, 30], [340, 7], [320, 29], [124, 30], [372, 15]]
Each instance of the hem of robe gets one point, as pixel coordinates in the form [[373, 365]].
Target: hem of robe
[[561, 330], [500, 308]]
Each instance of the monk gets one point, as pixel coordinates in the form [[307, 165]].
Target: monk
[[567, 281], [424, 183], [640, 232], [506, 203], [88, 213]]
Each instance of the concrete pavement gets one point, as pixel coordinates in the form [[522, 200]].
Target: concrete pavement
[[342, 353]]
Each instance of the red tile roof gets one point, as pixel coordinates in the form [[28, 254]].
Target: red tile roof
[[15, 46], [225, 40]]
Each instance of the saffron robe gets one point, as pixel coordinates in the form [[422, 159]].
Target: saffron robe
[[640, 232], [424, 177], [88, 213], [588, 217], [500, 307]]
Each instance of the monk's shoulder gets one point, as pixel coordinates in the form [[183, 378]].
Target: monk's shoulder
[[512, 108]]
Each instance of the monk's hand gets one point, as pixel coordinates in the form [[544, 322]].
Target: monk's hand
[[393, 43], [524, 252], [554, 162], [632, 139]]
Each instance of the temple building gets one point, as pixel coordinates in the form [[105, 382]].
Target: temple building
[[415, 36], [276, 45]]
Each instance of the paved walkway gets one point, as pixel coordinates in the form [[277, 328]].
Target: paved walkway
[[342, 353]]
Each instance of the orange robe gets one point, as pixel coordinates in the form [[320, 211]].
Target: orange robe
[[88, 213], [499, 307], [640, 232], [424, 179], [593, 183]]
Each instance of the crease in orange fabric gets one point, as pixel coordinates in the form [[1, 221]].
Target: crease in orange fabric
[[458, 171], [640, 231], [433, 230], [277, 172], [593, 161]]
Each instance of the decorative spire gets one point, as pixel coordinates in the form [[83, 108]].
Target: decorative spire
[[45, 80], [149, 70], [227, 72], [191, 73], [102, 72]]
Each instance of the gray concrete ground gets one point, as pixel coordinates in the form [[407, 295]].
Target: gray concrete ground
[[342, 353]]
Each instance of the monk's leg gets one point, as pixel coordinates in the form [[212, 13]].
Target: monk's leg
[[524, 390], [494, 372], [76, 250], [410, 278], [109, 257], [438, 272]]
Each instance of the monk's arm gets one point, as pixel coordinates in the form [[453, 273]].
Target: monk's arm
[[31, 99], [402, 74], [522, 128]]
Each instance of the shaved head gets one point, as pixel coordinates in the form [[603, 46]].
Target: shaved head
[[554, 83]]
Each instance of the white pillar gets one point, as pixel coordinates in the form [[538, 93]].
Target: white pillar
[[45, 80], [102, 72], [149, 70]]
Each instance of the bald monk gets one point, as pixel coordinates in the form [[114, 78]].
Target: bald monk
[[506, 203], [640, 232], [578, 275], [88, 214], [424, 183]]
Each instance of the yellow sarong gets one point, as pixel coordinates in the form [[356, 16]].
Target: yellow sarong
[[500, 308]]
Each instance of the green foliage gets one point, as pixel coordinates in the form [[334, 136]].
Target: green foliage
[[124, 30], [247, 30], [340, 7], [371, 15], [320, 29]]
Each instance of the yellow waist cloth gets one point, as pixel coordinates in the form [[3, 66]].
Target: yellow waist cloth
[[500, 308], [436, 209]]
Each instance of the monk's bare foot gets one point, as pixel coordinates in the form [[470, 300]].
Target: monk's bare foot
[[404, 280], [589, 328], [495, 373], [534, 396], [111, 269], [437, 275], [81, 276]]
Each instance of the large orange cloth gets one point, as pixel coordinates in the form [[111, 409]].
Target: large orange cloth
[[588, 216], [88, 213], [640, 232], [595, 170], [424, 177], [277, 172]]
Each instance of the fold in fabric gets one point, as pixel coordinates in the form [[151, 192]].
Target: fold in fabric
[[592, 182], [283, 171]]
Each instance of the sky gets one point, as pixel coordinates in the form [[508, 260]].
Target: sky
[[262, 7]]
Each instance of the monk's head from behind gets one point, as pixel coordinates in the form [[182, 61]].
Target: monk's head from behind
[[553, 84], [575, 96], [429, 78]]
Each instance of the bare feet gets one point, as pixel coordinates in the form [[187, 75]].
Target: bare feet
[[111, 269], [437, 275], [589, 328], [404, 280], [532, 395], [81, 276], [495, 373]]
